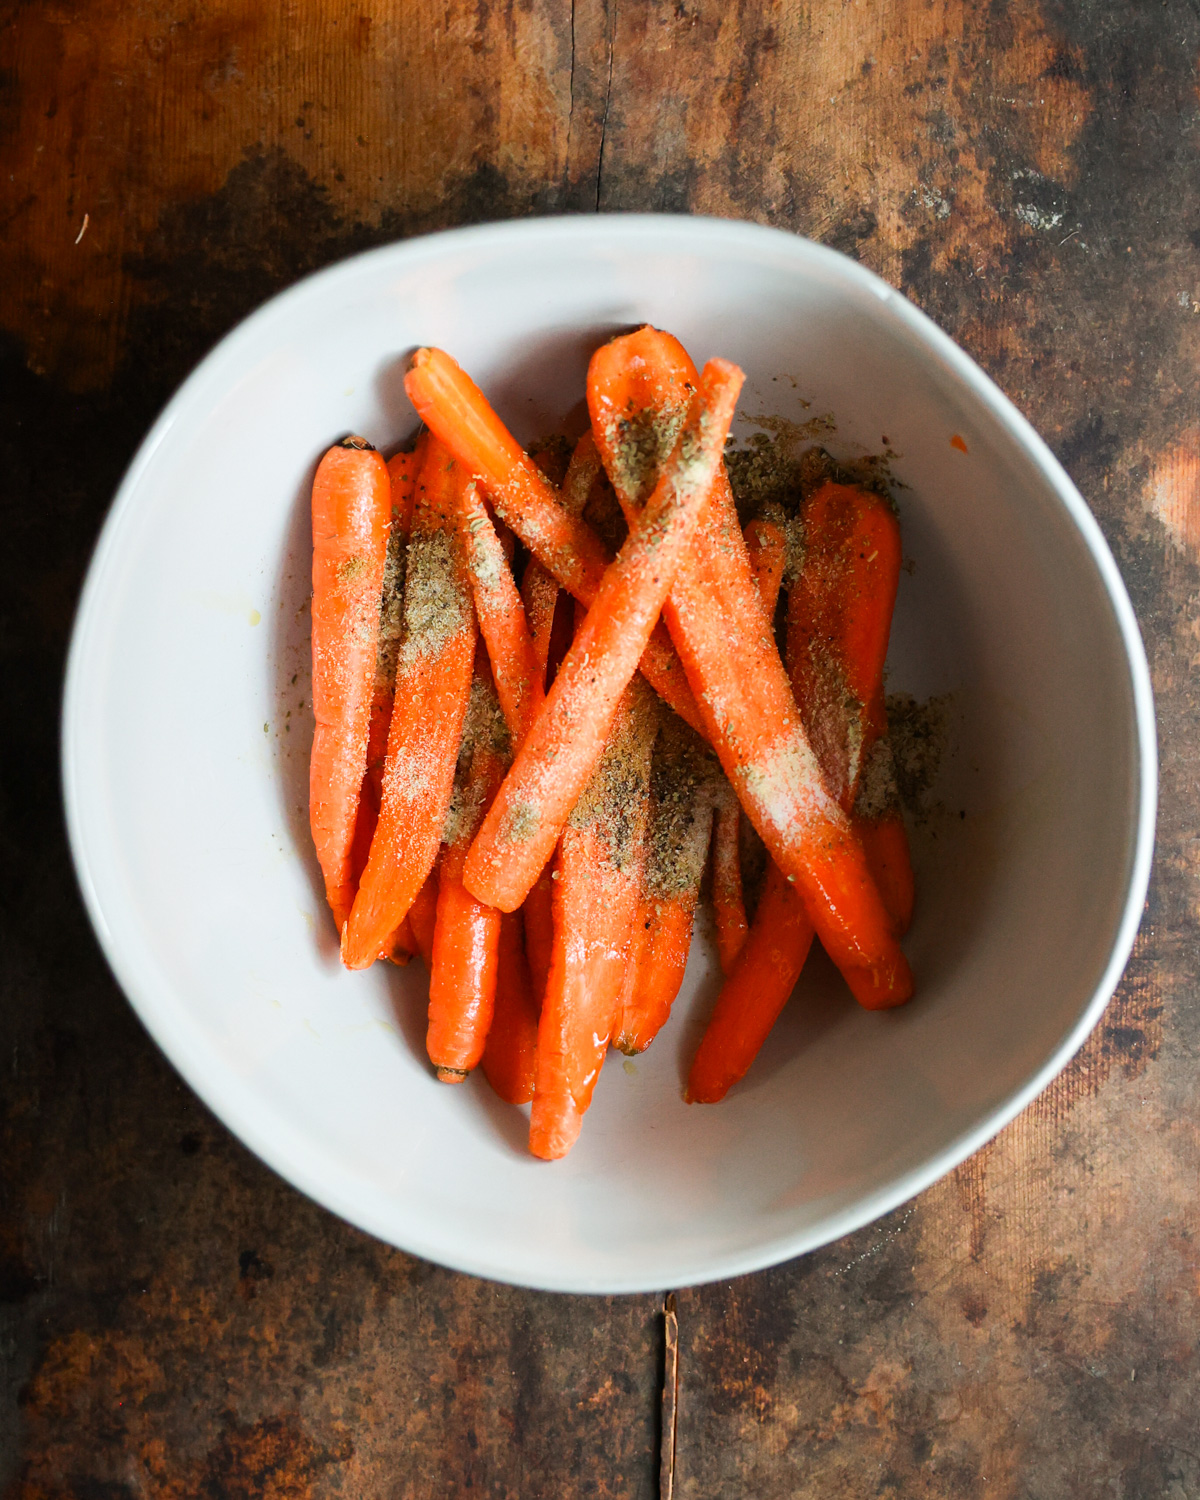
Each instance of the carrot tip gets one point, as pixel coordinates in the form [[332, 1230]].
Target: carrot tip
[[360, 444], [451, 1075]]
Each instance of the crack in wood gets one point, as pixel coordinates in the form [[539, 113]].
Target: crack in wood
[[670, 1399], [611, 31]]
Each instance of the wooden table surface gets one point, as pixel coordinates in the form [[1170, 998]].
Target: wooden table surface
[[175, 1321]]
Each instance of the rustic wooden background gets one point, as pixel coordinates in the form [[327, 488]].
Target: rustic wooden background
[[174, 1321]]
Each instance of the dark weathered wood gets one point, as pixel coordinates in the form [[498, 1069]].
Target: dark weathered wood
[[176, 1322]]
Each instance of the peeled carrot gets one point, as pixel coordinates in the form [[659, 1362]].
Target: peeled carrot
[[509, 1059], [540, 594], [466, 937], [539, 588], [422, 915], [766, 552], [681, 809], [839, 620], [885, 843], [433, 679], [351, 502], [752, 997], [745, 699], [566, 740], [595, 898], [403, 471], [501, 616], [455, 409], [766, 549], [537, 911]]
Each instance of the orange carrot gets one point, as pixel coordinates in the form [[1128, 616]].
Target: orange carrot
[[466, 938], [885, 843], [681, 809], [422, 914], [839, 620], [433, 679], [595, 898], [566, 740], [757, 732], [509, 1059], [501, 617], [403, 471], [538, 912], [539, 595], [766, 548], [839, 617], [728, 650], [752, 997], [729, 902], [351, 502], [539, 588], [455, 409], [766, 552]]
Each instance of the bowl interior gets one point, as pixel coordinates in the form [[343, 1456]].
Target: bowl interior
[[187, 734]]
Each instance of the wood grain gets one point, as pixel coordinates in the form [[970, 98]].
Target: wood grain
[[176, 1322]]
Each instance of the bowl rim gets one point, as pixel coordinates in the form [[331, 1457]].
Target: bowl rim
[[681, 232]]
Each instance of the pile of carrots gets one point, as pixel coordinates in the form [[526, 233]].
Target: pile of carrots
[[523, 781]]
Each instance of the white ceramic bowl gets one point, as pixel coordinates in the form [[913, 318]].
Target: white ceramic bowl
[[185, 760]]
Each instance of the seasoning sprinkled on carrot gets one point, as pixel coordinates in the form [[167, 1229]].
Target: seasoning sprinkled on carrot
[[728, 650], [433, 679], [682, 775], [595, 898], [466, 937], [455, 409], [565, 742], [839, 622], [501, 617]]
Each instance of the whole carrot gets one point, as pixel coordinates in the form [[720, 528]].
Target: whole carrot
[[501, 616], [839, 621], [766, 550], [839, 618], [403, 471], [595, 898], [539, 588], [422, 914], [466, 937], [537, 912], [745, 699], [565, 742], [351, 502], [433, 679], [509, 1059], [763, 977], [455, 409]]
